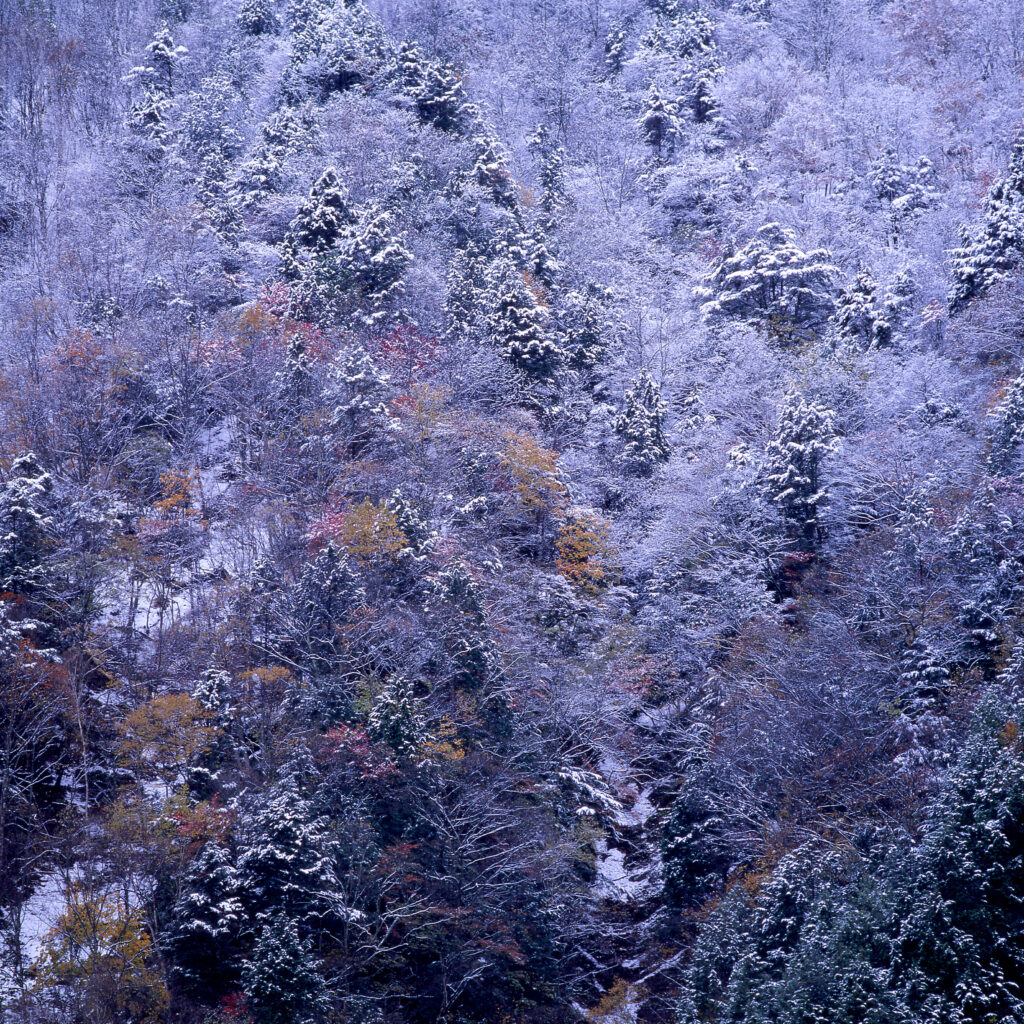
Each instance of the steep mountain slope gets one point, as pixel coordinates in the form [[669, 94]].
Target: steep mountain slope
[[510, 511]]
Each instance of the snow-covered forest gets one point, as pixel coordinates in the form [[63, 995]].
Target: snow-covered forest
[[511, 512]]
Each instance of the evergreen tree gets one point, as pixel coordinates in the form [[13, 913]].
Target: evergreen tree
[[958, 954], [258, 18], [326, 596], [26, 517], [694, 851], [1008, 428], [923, 682], [358, 391], [702, 102], [149, 113], [492, 174], [294, 384], [162, 60], [206, 924], [989, 253], [519, 326], [791, 472], [642, 426], [408, 519], [898, 302], [773, 283], [589, 325], [614, 51], [396, 718], [325, 216], [441, 99], [410, 68], [281, 978], [456, 605], [466, 295], [374, 258], [553, 193], [858, 321], [659, 123], [148, 116], [540, 262], [886, 175], [362, 275], [286, 865]]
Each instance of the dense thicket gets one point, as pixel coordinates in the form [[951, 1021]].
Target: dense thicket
[[511, 511]]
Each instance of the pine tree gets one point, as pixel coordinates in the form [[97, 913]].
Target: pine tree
[[286, 864], [923, 681], [466, 294], [206, 923], [441, 99], [518, 324], [358, 390], [148, 116], [408, 519], [642, 426], [410, 68], [396, 718], [361, 276], [589, 325], [792, 468], [300, 13], [149, 113], [281, 977], [492, 174], [702, 102], [294, 384], [958, 952], [694, 851], [989, 253], [886, 175], [614, 51], [553, 193], [326, 597], [858, 321], [541, 140], [659, 123], [772, 283], [374, 257], [162, 60], [258, 18], [325, 216], [455, 603], [1008, 429], [899, 297], [540, 262], [26, 516]]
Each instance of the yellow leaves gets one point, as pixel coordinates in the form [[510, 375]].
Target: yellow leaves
[[444, 744], [421, 410], [533, 472], [1009, 735], [618, 1004], [178, 488], [101, 950], [368, 531], [584, 549], [162, 737]]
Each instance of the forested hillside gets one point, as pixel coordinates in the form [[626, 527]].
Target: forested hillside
[[511, 512]]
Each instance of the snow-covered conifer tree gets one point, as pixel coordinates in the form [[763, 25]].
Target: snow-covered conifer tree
[[519, 324], [773, 283], [988, 253], [396, 718], [792, 471]]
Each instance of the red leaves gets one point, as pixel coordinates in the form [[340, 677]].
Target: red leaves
[[350, 747]]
